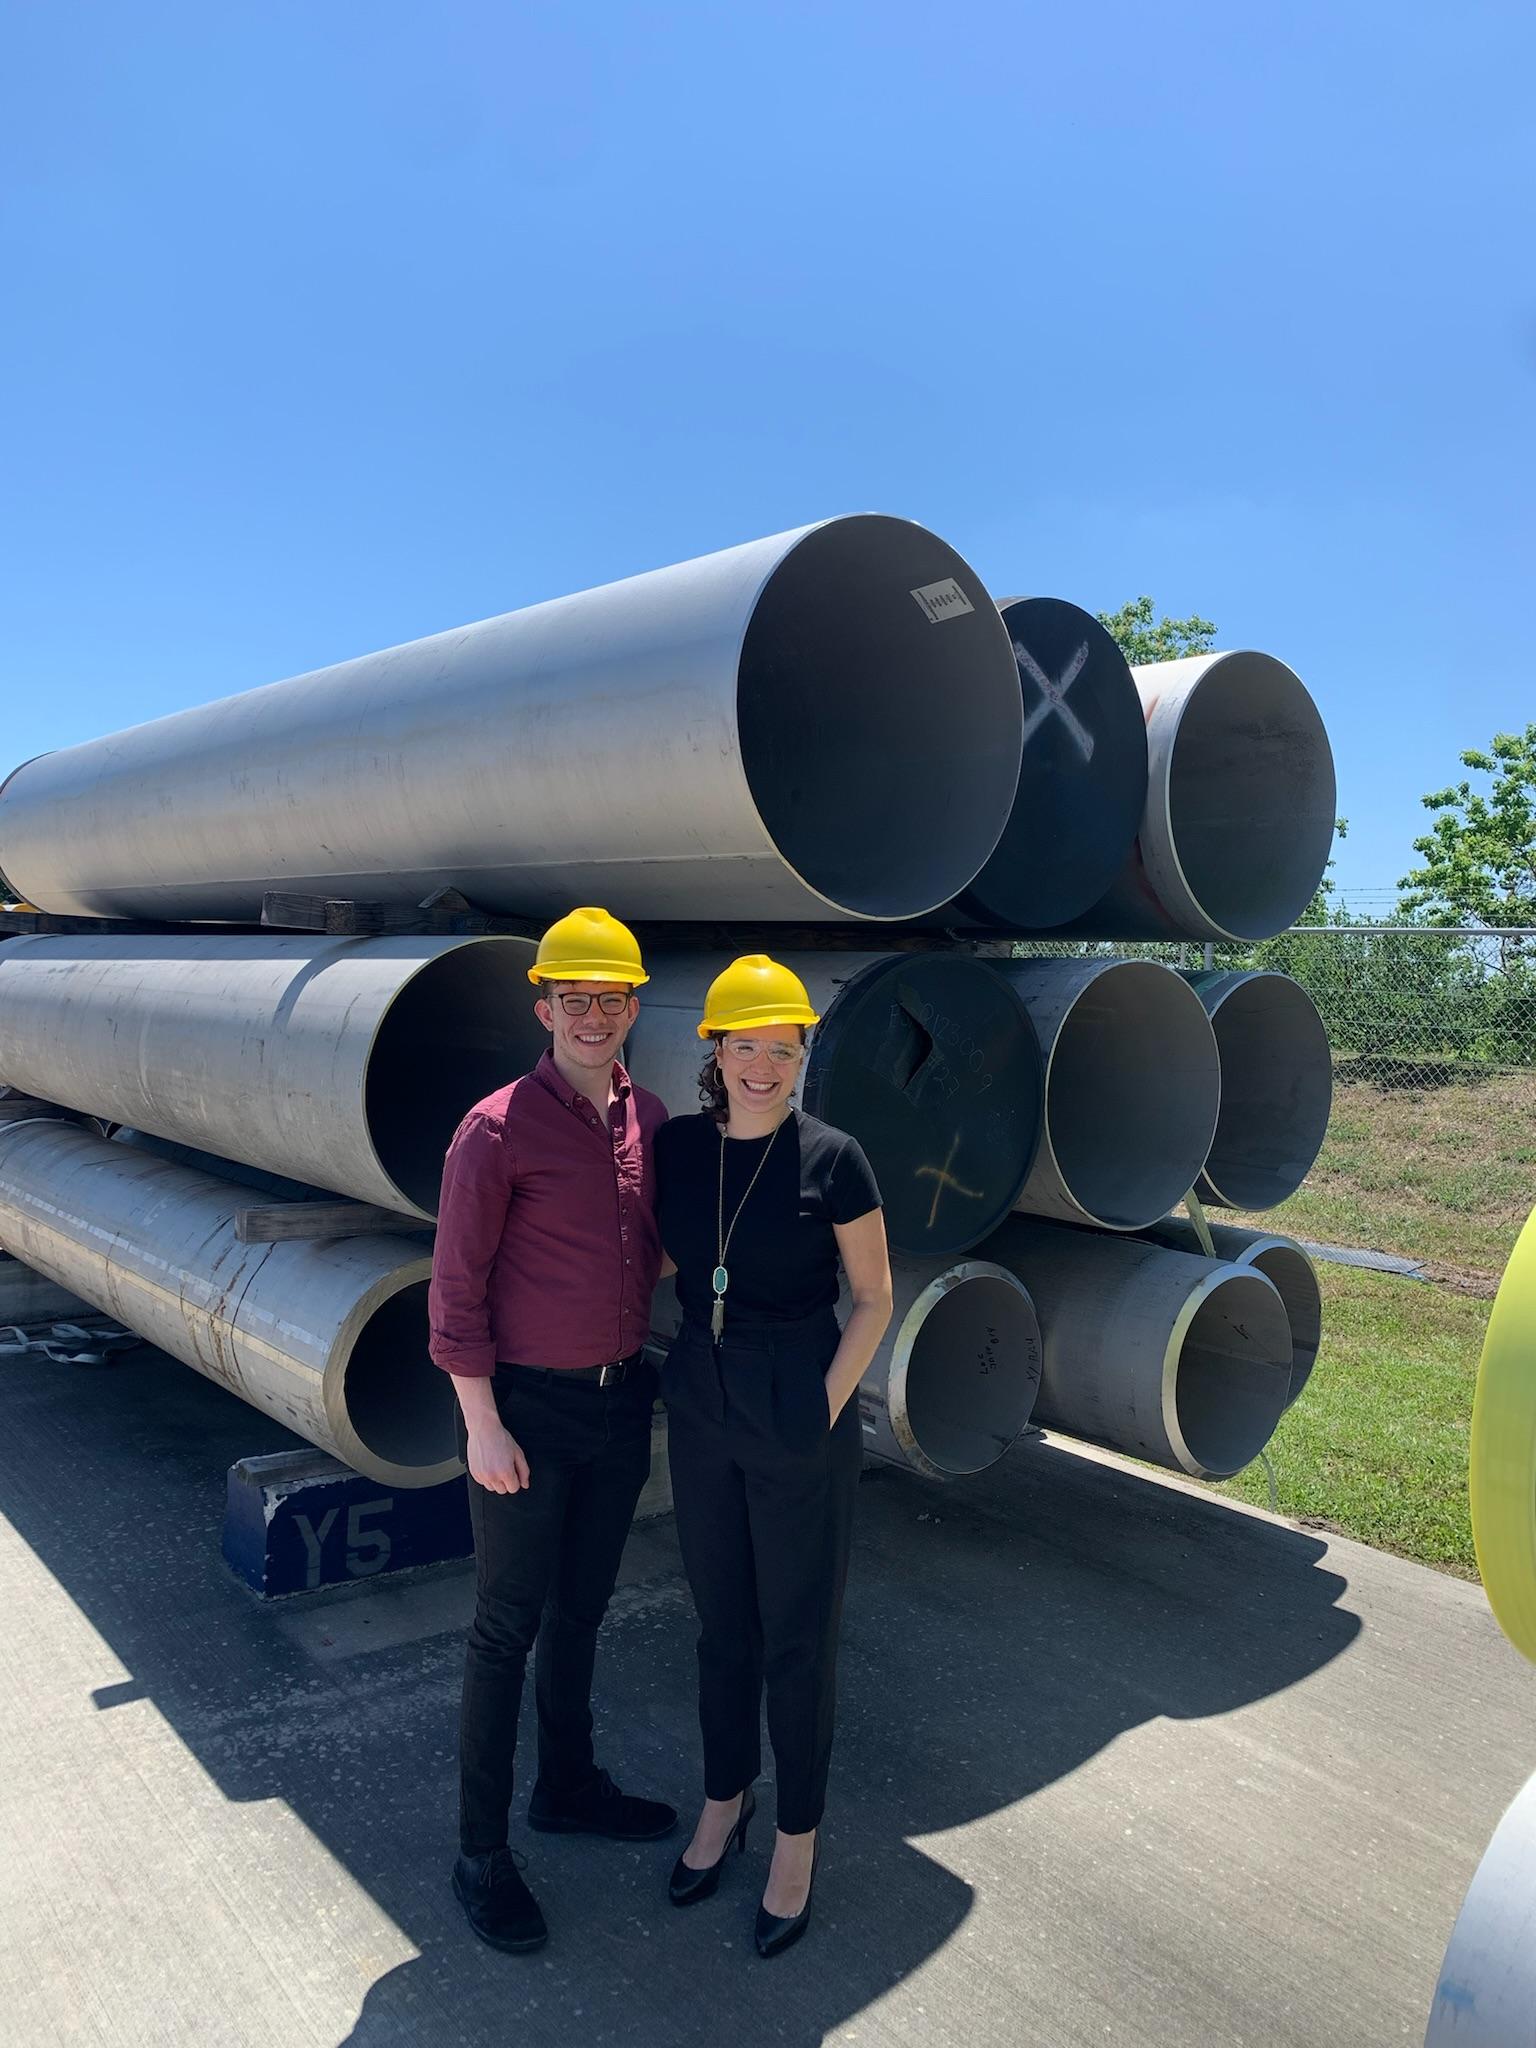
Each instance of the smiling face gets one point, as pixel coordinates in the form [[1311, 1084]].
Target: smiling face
[[760, 1067], [592, 1037]]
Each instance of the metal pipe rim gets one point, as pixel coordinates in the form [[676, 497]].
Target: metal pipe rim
[[343, 1400], [1200, 886], [913, 715], [420, 1198], [1196, 1303], [1293, 1275], [999, 1430], [1277, 1086], [1167, 1175]]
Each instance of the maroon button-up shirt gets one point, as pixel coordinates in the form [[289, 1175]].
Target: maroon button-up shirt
[[547, 1248]]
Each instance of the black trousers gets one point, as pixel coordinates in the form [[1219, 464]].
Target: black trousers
[[763, 1490], [545, 1562]]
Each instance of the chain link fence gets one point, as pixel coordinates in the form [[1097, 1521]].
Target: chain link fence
[[1431, 1150]]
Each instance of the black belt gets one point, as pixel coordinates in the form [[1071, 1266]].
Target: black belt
[[595, 1375]]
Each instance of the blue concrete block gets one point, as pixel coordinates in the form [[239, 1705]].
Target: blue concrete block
[[296, 1521]]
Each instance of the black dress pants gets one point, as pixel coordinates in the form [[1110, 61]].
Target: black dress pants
[[764, 1489], [545, 1562]]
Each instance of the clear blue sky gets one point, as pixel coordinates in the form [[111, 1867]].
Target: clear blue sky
[[332, 324]]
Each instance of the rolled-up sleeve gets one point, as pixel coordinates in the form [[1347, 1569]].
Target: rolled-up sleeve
[[477, 1188]]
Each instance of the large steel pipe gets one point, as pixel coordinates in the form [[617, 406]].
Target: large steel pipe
[[346, 1063], [1276, 1087], [1185, 1362], [928, 1059], [1083, 783], [329, 1338], [1240, 805], [1132, 1089], [956, 1376], [826, 721], [1282, 1261]]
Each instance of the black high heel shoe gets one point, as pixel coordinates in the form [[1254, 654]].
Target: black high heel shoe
[[687, 1886], [775, 1933]]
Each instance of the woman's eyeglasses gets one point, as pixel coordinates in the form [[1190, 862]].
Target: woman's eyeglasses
[[747, 1049]]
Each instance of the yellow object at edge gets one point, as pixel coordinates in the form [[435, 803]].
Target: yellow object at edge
[[1502, 1475]]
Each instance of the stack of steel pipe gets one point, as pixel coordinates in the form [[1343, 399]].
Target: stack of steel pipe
[[832, 726], [345, 1063]]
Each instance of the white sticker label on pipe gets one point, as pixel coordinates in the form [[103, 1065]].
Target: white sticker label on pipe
[[944, 600]]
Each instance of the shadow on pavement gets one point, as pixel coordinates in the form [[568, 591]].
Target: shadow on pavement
[[997, 1636]]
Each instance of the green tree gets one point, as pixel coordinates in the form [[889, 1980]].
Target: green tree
[[1144, 638], [1480, 853]]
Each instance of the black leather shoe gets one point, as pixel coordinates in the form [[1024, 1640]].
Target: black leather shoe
[[775, 1934], [687, 1886], [497, 1904], [600, 1809]]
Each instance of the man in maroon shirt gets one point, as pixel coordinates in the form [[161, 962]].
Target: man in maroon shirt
[[546, 1258]]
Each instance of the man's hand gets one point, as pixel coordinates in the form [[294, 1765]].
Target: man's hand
[[495, 1458]]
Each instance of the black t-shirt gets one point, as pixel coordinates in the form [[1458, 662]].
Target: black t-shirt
[[783, 1256]]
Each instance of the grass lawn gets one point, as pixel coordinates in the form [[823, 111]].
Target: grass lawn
[[1444, 1173], [1377, 1445]]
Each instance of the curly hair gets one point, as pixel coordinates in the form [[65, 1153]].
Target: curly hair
[[712, 1082]]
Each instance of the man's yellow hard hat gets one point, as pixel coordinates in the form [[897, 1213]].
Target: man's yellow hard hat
[[589, 945], [752, 993]]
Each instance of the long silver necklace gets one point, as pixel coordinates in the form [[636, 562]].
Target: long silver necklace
[[721, 1278]]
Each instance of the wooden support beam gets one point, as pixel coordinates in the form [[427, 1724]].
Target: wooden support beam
[[287, 1222], [17, 924], [817, 938], [445, 913]]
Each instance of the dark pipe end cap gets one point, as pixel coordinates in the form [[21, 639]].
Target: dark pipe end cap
[[931, 1063], [1083, 783]]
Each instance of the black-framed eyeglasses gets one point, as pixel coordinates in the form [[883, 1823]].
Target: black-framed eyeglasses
[[611, 1003]]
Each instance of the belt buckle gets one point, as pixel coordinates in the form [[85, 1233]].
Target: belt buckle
[[607, 1374]]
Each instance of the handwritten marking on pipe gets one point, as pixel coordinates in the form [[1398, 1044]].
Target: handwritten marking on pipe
[[942, 1179], [1053, 697]]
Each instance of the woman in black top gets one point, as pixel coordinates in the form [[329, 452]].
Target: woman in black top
[[758, 1203]]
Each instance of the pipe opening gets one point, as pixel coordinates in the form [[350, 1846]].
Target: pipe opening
[[1276, 1092], [972, 1374], [1294, 1279], [460, 1029], [1251, 795], [1132, 1093], [398, 1402], [1233, 1374], [879, 716]]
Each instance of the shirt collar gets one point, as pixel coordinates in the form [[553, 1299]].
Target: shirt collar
[[550, 1076]]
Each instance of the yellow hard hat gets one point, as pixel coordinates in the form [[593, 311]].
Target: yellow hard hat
[[753, 992], [589, 945]]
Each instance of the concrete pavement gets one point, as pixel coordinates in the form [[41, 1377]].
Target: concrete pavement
[[1118, 1764]]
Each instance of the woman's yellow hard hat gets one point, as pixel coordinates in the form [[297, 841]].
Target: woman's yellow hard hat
[[752, 993], [589, 945]]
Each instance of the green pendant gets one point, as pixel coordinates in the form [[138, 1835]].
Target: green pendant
[[721, 1280]]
